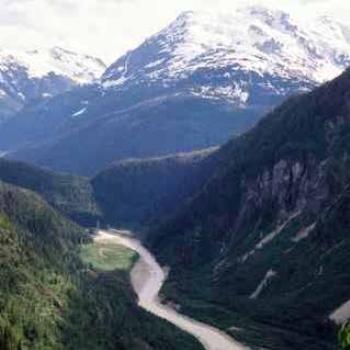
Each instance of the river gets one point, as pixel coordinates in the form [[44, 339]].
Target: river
[[147, 278]]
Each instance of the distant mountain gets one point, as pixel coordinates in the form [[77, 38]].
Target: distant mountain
[[249, 58], [29, 76], [201, 80], [263, 245]]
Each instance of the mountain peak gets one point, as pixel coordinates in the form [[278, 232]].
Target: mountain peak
[[263, 11], [186, 15], [40, 62], [254, 39], [32, 74]]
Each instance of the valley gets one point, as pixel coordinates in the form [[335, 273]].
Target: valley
[[147, 289], [219, 142], [51, 299]]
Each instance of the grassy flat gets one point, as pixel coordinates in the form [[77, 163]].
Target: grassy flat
[[108, 256]]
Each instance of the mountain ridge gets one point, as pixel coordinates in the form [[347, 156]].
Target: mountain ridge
[[28, 76], [255, 39], [195, 84]]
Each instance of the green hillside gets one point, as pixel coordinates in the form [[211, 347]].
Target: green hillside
[[71, 195], [50, 300], [137, 191]]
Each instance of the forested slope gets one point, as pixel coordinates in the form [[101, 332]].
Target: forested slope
[[71, 195], [138, 191], [265, 241], [50, 300]]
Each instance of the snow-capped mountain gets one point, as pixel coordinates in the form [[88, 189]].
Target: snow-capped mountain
[[239, 57], [31, 75], [39, 63], [203, 79]]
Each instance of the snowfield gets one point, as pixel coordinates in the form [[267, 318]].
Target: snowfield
[[253, 40], [41, 62]]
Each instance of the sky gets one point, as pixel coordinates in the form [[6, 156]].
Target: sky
[[108, 28]]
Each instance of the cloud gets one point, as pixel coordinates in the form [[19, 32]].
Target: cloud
[[107, 28]]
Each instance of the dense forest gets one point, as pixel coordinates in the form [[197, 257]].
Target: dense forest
[[50, 299], [137, 192]]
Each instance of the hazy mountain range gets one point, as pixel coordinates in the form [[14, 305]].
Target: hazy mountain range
[[201, 80], [27, 77]]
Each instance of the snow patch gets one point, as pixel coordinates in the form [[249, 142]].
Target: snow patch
[[154, 64], [341, 314], [234, 93], [80, 112], [303, 233], [114, 83], [110, 83], [269, 238], [21, 96], [254, 41], [43, 62], [263, 284]]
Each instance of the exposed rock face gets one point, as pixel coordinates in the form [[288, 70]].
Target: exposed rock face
[[290, 184]]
